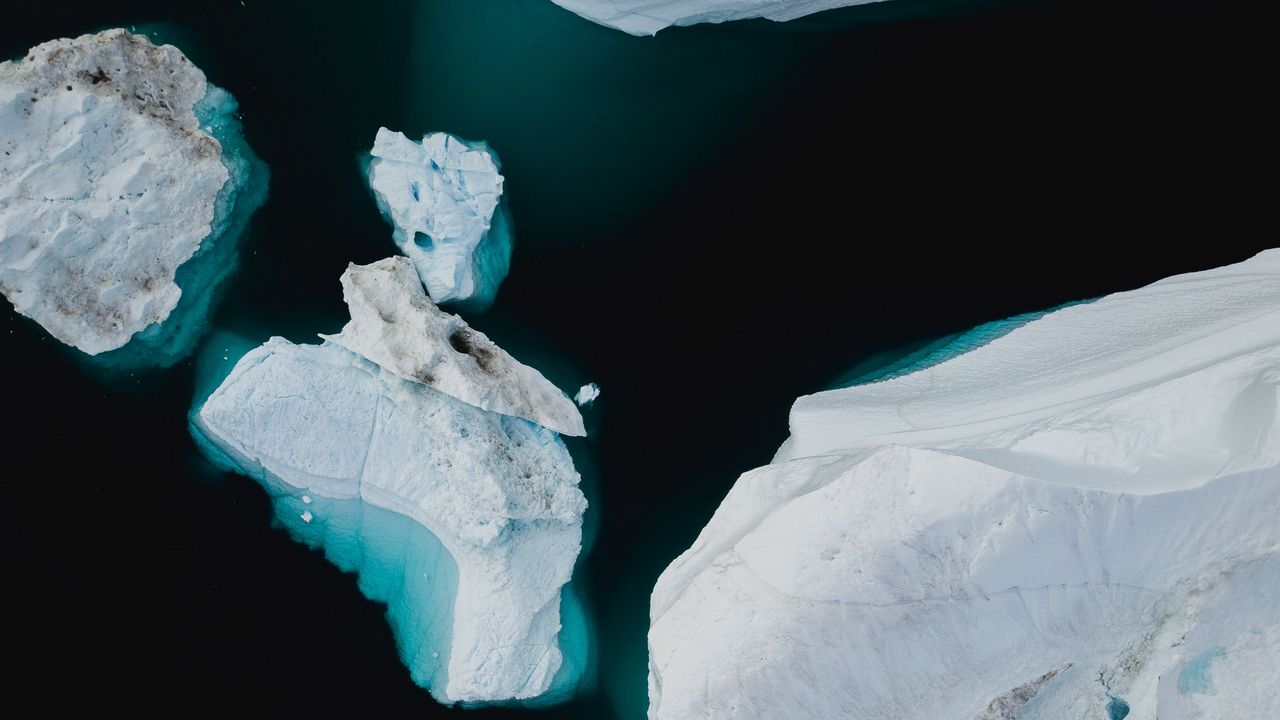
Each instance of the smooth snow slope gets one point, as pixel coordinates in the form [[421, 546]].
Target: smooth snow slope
[[646, 17], [1077, 515], [120, 165]]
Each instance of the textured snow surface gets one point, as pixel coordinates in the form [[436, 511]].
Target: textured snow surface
[[646, 17], [108, 184], [1078, 513], [498, 493], [443, 195], [395, 324]]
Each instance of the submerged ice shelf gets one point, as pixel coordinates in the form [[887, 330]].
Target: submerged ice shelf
[[443, 196], [466, 522], [124, 185], [1072, 520], [646, 17]]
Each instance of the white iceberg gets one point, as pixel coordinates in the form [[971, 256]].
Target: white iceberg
[[395, 324], [587, 394], [1074, 520], [124, 181], [646, 17], [444, 197], [466, 522]]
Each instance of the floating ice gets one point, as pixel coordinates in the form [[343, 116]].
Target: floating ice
[[124, 183], [395, 324], [1073, 520], [587, 394], [444, 197], [646, 17], [466, 522]]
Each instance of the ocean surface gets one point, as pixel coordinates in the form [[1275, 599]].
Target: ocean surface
[[708, 223]]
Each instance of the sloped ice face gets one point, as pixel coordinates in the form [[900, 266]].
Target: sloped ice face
[[395, 324], [443, 195], [124, 184], [646, 17], [587, 394], [1073, 519]]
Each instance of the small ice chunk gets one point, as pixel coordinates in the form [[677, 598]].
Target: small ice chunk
[[587, 394], [306, 516]]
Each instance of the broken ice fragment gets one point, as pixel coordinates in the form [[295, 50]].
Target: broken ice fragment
[[443, 195]]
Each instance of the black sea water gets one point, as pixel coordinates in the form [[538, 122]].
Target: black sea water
[[707, 223]]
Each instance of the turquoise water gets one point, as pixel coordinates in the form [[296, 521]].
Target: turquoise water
[[1195, 676], [492, 260], [396, 561], [921, 355]]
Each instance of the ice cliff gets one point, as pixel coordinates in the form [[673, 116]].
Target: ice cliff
[[443, 195], [646, 17], [124, 183], [466, 522], [1076, 519]]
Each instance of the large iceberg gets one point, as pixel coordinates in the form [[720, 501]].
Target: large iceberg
[[443, 195], [646, 17], [124, 183], [1076, 519], [395, 324], [466, 522]]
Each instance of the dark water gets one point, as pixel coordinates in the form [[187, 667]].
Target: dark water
[[708, 223]]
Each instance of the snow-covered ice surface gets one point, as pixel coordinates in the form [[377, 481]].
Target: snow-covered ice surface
[[646, 17], [443, 195], [466, 522], [1076, 516], [124, 183], [395, 324]]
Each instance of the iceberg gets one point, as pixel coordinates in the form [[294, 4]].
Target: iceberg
[[125, 183], [587, 394], [443, 195], [647, 17], [394, 324], [466, 522], [1075, 519]]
